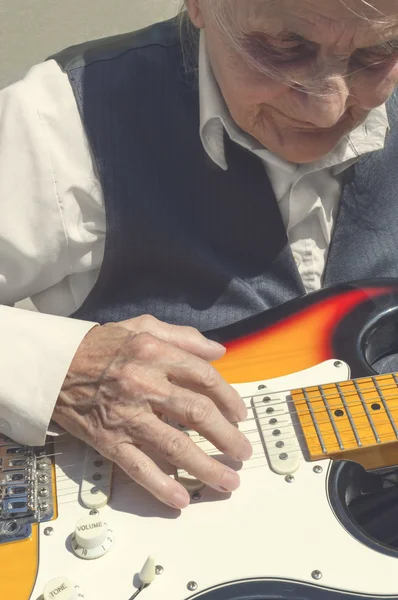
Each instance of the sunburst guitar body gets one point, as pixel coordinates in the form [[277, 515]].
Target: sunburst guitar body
[[73, 526]]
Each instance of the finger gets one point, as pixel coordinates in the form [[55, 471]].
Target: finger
[[199, 376], [199, 413], [147, 474], [179, 450], [186, 338]]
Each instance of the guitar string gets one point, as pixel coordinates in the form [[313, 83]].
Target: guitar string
[[256, 456], [119, 481], [305, 411], [271, 455], [290, 451], [214, 453], [307, 438], [280, 426], [316, 398]]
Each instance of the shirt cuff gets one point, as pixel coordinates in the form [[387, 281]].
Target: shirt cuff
[[36, 351]]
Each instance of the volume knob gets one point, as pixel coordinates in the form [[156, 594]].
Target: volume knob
[[62, 589], [92, 538]]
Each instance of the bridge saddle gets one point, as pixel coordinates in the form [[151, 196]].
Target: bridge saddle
[[26, 489]]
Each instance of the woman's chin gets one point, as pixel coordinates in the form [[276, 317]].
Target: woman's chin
[[304, 146]]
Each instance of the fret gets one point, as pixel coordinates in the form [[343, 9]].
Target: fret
[[349, 415], [384, 403], [366, 409], [331, 418], [315, 422]]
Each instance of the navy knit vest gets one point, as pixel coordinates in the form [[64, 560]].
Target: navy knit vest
[[186, 241]]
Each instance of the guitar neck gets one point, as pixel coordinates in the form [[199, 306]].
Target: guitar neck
[[349, 418]]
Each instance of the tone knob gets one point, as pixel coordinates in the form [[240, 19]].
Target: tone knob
[[62, 589], [92, 537]]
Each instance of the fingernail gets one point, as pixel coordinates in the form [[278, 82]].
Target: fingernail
[[242, 414], [246, 452], [230, 481], [180, 500], [216, 345]]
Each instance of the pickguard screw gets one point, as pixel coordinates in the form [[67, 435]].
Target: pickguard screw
[[44, 506], [48, 531], [318, 469], [43, 492], [289, 478], [338, 364], [93, 512], [196, 496], [316, 575], [192, 586], [159, 569], [43, 478]]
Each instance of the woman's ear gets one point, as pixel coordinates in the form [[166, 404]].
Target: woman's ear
[[195, 12]]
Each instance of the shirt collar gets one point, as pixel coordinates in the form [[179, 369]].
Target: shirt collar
[[215, 118]]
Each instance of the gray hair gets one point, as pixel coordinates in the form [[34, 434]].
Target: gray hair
[[235, 39]]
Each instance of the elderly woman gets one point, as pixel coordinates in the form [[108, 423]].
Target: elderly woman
[[174, 180]]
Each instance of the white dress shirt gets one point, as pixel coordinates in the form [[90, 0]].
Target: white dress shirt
[[52, 226]]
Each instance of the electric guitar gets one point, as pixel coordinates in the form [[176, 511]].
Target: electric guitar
[[73, 526]]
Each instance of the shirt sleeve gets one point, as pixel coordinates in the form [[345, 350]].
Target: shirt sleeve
[[47, 233]]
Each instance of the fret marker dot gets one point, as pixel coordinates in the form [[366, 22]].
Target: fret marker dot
[[376, 406], [339, 413]]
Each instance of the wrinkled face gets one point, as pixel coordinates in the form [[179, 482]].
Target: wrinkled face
[[300, 74]]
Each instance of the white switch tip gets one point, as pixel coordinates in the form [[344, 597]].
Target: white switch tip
[[148, 571]]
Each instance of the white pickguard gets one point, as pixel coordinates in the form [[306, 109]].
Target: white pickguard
[[268, 528]]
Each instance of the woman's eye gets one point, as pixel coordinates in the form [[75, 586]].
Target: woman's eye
[[376, 57], [293, 53], [283, 53]]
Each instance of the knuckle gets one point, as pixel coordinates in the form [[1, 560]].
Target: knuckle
[[140, 470], [198, 411], [174, 447], [146, 346], [193, 331], [145, 322], [209, 377]]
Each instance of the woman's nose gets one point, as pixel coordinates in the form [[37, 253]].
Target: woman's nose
[[324, 106]]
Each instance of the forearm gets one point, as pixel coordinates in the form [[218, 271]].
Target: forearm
[[36, 351]]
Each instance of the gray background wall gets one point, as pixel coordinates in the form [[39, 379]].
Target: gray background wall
[[30, 30]]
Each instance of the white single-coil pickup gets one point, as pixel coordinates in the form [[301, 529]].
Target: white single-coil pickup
[[95, 489], [278, 433]]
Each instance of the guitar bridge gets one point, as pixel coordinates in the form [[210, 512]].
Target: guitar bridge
[[26, 489]]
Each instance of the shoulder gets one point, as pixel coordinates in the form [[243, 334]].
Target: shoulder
[[164, 35]]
